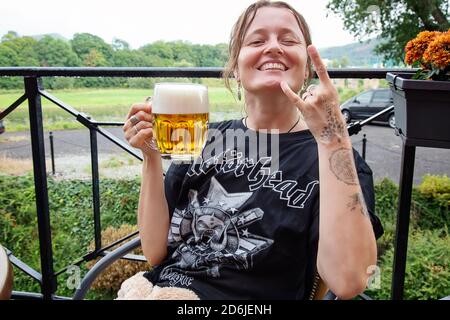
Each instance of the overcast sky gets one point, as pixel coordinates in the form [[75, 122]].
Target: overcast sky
[[143, 21]]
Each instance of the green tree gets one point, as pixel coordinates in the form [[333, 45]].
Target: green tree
[[10, 35], [95, 59], [210, 56], [24, 47], [395, 21], [182, 50], [160, 49], [8, 57], [16, 51], [83, 43], [183, 64], [130, 58], [53, 52]]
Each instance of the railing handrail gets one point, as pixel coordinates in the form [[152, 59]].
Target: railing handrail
[[197, 72]]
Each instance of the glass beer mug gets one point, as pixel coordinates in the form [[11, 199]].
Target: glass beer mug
[[181, 115]]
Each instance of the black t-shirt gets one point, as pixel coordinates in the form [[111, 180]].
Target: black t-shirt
[[245, 226]]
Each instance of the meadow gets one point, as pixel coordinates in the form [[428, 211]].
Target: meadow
[[112, 104], [109, 104]]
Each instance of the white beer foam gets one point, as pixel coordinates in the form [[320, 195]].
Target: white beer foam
[[180, 98]]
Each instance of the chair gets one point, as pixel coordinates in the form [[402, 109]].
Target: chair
[[6, 275], [102, 264], [322, 292]]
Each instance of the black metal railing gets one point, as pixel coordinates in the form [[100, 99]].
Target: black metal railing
[[33, 93]]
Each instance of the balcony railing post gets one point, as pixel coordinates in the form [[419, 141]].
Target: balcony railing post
[[52, 152], [403, 214], [48, 285], [364, 146], [95, 189]]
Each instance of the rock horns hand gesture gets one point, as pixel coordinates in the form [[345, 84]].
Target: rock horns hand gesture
[[320, 106]]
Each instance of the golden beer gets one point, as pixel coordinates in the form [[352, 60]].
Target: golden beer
[[181, 115]]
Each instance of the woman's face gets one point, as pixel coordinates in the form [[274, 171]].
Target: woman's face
[[273, 50]]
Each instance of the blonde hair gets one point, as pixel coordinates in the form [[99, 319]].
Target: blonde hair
[[240, 29]]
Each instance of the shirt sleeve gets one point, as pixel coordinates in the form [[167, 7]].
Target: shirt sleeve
[[366, 182], [172, 184]]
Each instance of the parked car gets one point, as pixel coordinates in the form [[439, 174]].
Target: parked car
[[2, 127], [368, 103]]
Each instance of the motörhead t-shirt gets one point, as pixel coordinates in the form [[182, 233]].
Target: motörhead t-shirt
[[245, 216]]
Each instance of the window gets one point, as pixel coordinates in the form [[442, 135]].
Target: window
[[364, 98], [382, 96]]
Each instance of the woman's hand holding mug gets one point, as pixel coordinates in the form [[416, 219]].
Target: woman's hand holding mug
[[138, 128]]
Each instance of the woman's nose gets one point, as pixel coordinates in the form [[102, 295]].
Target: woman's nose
[[273, 46]]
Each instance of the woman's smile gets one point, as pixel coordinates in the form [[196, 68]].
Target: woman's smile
[[273, 66]]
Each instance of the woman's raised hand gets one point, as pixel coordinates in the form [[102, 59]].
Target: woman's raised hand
[[320, 105], [138, 128]]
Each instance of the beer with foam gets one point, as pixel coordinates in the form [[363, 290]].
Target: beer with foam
[[181, 115]]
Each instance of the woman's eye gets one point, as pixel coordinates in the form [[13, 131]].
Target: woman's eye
[[290, 41], [256, 42]]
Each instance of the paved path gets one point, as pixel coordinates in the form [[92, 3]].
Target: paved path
[[383, 150]]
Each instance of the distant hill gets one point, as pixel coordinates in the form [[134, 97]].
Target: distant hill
[[359, 54], [53, 35]]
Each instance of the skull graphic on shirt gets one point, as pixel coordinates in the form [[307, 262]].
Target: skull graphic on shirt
[[214, 233]]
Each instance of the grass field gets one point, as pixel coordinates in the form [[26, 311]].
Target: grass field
[[113, 105], [103, 104]]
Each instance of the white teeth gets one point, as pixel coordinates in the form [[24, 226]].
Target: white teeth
[[277, 66]]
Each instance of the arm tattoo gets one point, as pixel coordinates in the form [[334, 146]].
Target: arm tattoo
[[341, 165], [334, 126], [357, 203]]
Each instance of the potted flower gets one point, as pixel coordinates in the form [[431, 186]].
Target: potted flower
[[422, 100]]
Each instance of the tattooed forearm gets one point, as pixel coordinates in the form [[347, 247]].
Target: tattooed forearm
[[357, 204], [341, 164], [334, 126]]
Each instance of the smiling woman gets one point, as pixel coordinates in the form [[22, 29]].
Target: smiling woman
[[243, 220]]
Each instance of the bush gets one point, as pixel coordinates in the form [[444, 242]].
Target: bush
[[386, 201], [427, 268], [427, 273], [58, 83], [386, 198], [114, 275], [433, 202], [71, 217], [140, 83], [436, 188], [429, 207]]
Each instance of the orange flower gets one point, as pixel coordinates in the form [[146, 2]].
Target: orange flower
[[416, 47], [438, 52]]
